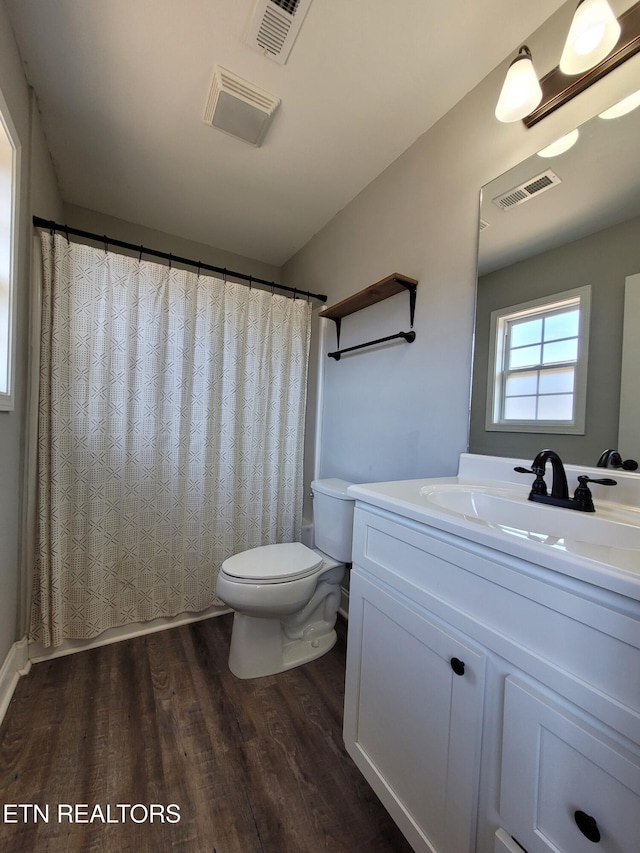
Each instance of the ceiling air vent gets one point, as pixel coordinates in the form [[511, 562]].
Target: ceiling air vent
[[274, 26], [239, 108], [527, 190]]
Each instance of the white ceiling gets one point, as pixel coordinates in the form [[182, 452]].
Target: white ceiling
[[122, 86]]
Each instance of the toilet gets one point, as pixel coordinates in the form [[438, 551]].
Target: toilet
[[286, 596]]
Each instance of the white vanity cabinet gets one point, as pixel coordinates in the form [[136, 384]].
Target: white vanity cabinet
[[413, 715], [537, 739]]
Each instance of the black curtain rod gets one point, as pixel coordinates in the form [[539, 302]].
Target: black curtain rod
[[52, 226], [409, 337]]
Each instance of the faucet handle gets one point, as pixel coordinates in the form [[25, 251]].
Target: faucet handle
[[605, 481], [539, 486], [583, 495]]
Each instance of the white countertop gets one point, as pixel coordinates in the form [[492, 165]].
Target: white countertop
[[613, 568]]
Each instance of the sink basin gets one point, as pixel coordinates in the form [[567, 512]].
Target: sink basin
[[509, 510], [486, 505]]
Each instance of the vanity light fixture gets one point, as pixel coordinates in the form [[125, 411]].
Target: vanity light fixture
[[560, 145], [521, 92], [622, 107], [593, 34], [597, 44]]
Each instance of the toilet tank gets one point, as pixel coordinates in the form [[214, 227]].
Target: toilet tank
[[333, 518]]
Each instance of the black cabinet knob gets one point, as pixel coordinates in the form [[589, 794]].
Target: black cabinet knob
[[587, 826], [457, 666]]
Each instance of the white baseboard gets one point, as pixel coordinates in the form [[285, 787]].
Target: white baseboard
[[16, 663], [23, 653], [38, 652]]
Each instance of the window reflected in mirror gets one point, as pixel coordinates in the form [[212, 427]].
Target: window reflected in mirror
[[539, 363]]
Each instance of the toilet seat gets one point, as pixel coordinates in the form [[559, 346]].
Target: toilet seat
[[266, 564]]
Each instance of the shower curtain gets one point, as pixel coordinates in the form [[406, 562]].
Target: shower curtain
[[171, 420]]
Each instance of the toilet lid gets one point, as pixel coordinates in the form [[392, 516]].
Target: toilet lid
[[272, 563]]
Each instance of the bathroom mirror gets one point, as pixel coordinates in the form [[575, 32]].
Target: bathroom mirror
[[550, 225]]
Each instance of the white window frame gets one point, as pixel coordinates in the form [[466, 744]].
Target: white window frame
[[580, 296], [8, 310]]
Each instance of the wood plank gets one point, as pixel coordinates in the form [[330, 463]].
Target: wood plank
[[256, 766], [383, 289]]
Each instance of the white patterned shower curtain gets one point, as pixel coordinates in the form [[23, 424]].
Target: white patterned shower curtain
[[171, 422]]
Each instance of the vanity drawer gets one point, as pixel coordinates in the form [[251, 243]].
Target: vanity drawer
[[562, 771]]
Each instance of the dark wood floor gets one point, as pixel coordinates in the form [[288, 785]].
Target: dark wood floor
[[255, 766]]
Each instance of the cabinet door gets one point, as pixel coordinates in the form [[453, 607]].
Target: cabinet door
[[413, 714], [565, 785]]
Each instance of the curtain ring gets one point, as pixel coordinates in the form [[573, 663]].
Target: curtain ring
[[66, 231], [170, 260], [224, 275], [140, 255], [106, 243], [250, 282], [295, 292], [198, 270]]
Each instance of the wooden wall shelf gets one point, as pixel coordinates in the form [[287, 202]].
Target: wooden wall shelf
[[383, 289], [389, 286]]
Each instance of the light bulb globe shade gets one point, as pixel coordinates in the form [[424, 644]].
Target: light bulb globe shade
[[593, 34], [521, 92], [560, 145], [626, 105]]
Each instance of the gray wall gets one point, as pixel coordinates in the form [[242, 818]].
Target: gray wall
[[402, 411], [120, 229], [38, 193], [602, 260]]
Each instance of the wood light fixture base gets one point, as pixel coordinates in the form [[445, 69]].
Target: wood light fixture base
[[558, 88]]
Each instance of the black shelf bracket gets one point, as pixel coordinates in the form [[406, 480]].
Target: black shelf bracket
[[412, 288], [409, 337], [337, 321]]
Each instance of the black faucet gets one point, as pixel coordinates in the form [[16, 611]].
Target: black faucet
[[559, 487], [611, 458], [582, 499]]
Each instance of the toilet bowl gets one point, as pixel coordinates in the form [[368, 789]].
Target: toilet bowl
[[286, 596]]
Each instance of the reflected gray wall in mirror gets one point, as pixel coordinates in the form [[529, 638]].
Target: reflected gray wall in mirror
[[583, 230]]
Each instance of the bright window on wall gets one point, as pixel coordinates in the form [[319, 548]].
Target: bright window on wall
[[8, 217], [538, 366]]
